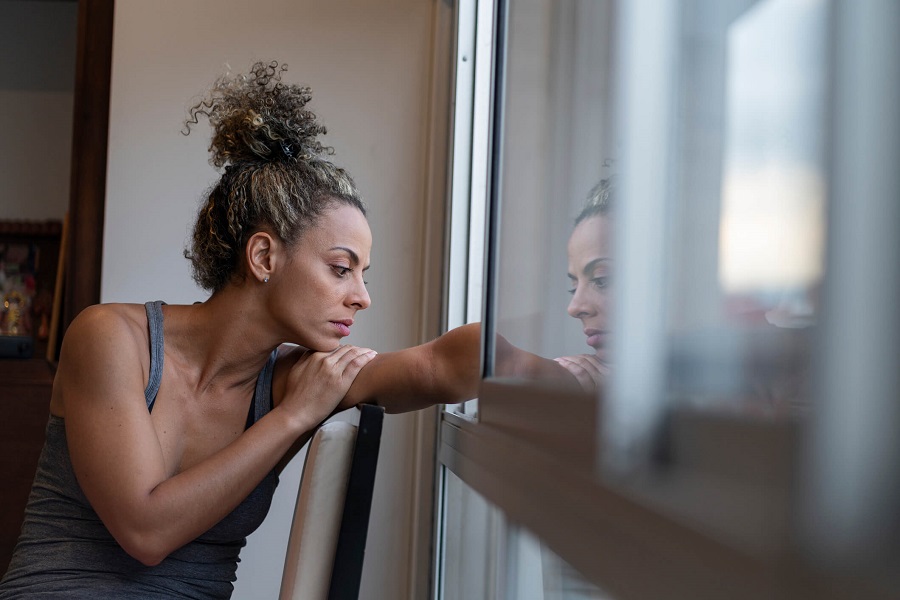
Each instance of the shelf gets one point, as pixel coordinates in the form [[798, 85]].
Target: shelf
[[28, 371]]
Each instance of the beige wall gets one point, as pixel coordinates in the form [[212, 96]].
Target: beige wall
[[37, 77], [368, 65]]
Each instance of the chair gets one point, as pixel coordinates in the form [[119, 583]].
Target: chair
[[327, 541]]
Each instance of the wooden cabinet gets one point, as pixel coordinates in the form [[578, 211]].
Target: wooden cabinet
[[25, 387]]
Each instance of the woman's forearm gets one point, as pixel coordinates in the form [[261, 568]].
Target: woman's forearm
[[443, 371]]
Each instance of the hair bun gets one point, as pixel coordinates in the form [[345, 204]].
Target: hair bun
[[257, 118]]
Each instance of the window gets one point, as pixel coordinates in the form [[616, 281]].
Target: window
[[748, 214]]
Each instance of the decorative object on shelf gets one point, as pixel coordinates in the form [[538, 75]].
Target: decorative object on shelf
[[28, 277], [14, 317]]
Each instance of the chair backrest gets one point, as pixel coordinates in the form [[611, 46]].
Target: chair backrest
[[331, 518]]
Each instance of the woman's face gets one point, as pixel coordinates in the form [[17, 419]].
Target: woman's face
[[589, 269], [321, 287]]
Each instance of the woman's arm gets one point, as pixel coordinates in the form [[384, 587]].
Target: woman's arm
[[445, 370], [148, 506]]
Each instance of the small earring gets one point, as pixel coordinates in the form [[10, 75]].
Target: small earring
[[266, 280]]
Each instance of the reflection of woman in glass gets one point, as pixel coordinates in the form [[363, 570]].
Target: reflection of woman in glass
[[589, 274]]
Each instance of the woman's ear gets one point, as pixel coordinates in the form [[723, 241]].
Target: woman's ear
[[262, 255]]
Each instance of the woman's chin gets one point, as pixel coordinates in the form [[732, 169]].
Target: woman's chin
[[321, 345], [327, 347]]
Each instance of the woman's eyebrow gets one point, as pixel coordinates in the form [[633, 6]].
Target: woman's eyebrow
[[593, 264], [354, 257]]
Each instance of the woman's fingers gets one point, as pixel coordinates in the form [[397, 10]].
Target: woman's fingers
[[345, 355], [347, 361], [586, 368], [589, 362], [323, 378], [351, 362]]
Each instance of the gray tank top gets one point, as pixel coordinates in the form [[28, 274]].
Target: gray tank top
[[65, 551]]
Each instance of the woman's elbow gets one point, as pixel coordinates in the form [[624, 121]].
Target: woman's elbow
[[144, 548], [150, 560]]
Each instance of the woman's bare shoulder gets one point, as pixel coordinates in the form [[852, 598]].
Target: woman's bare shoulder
[[115, 310], [106, 345], [116, 323]]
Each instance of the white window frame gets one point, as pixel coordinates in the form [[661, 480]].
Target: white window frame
[[468, 194]]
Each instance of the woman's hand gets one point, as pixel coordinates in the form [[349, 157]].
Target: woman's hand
[[318, 381], [587, 369]]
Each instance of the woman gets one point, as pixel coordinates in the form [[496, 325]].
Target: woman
[[589, 273], [169, 424]]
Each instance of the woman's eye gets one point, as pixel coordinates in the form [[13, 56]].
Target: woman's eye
[[571, 291], [341, 271], [600, 282]]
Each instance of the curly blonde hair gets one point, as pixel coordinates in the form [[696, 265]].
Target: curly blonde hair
[[275, 178]]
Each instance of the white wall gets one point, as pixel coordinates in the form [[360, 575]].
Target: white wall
[[37, 78], [368, 65]]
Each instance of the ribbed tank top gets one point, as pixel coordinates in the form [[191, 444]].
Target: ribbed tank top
[[65, 551]]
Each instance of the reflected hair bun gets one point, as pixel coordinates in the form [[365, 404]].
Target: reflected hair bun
[[599, 200]]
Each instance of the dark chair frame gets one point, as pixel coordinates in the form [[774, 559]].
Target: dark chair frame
[[351, 547]]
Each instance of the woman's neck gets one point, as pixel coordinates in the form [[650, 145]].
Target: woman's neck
[[220, 341]]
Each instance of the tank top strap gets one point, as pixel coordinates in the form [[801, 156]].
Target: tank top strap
[[155, 328], [262, 396]]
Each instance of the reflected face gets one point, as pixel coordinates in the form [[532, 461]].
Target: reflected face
[[321, 287], [589, 270]]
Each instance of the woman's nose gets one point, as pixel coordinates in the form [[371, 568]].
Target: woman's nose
[[579, 306], [360, 297]]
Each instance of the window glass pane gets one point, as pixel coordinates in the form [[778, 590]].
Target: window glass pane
[[471, 541], [486, 557], [747, 219], [535, 572], [734, 217], [556, 147]]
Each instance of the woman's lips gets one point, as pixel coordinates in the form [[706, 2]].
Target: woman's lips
[[343, 327], [596, 339]]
